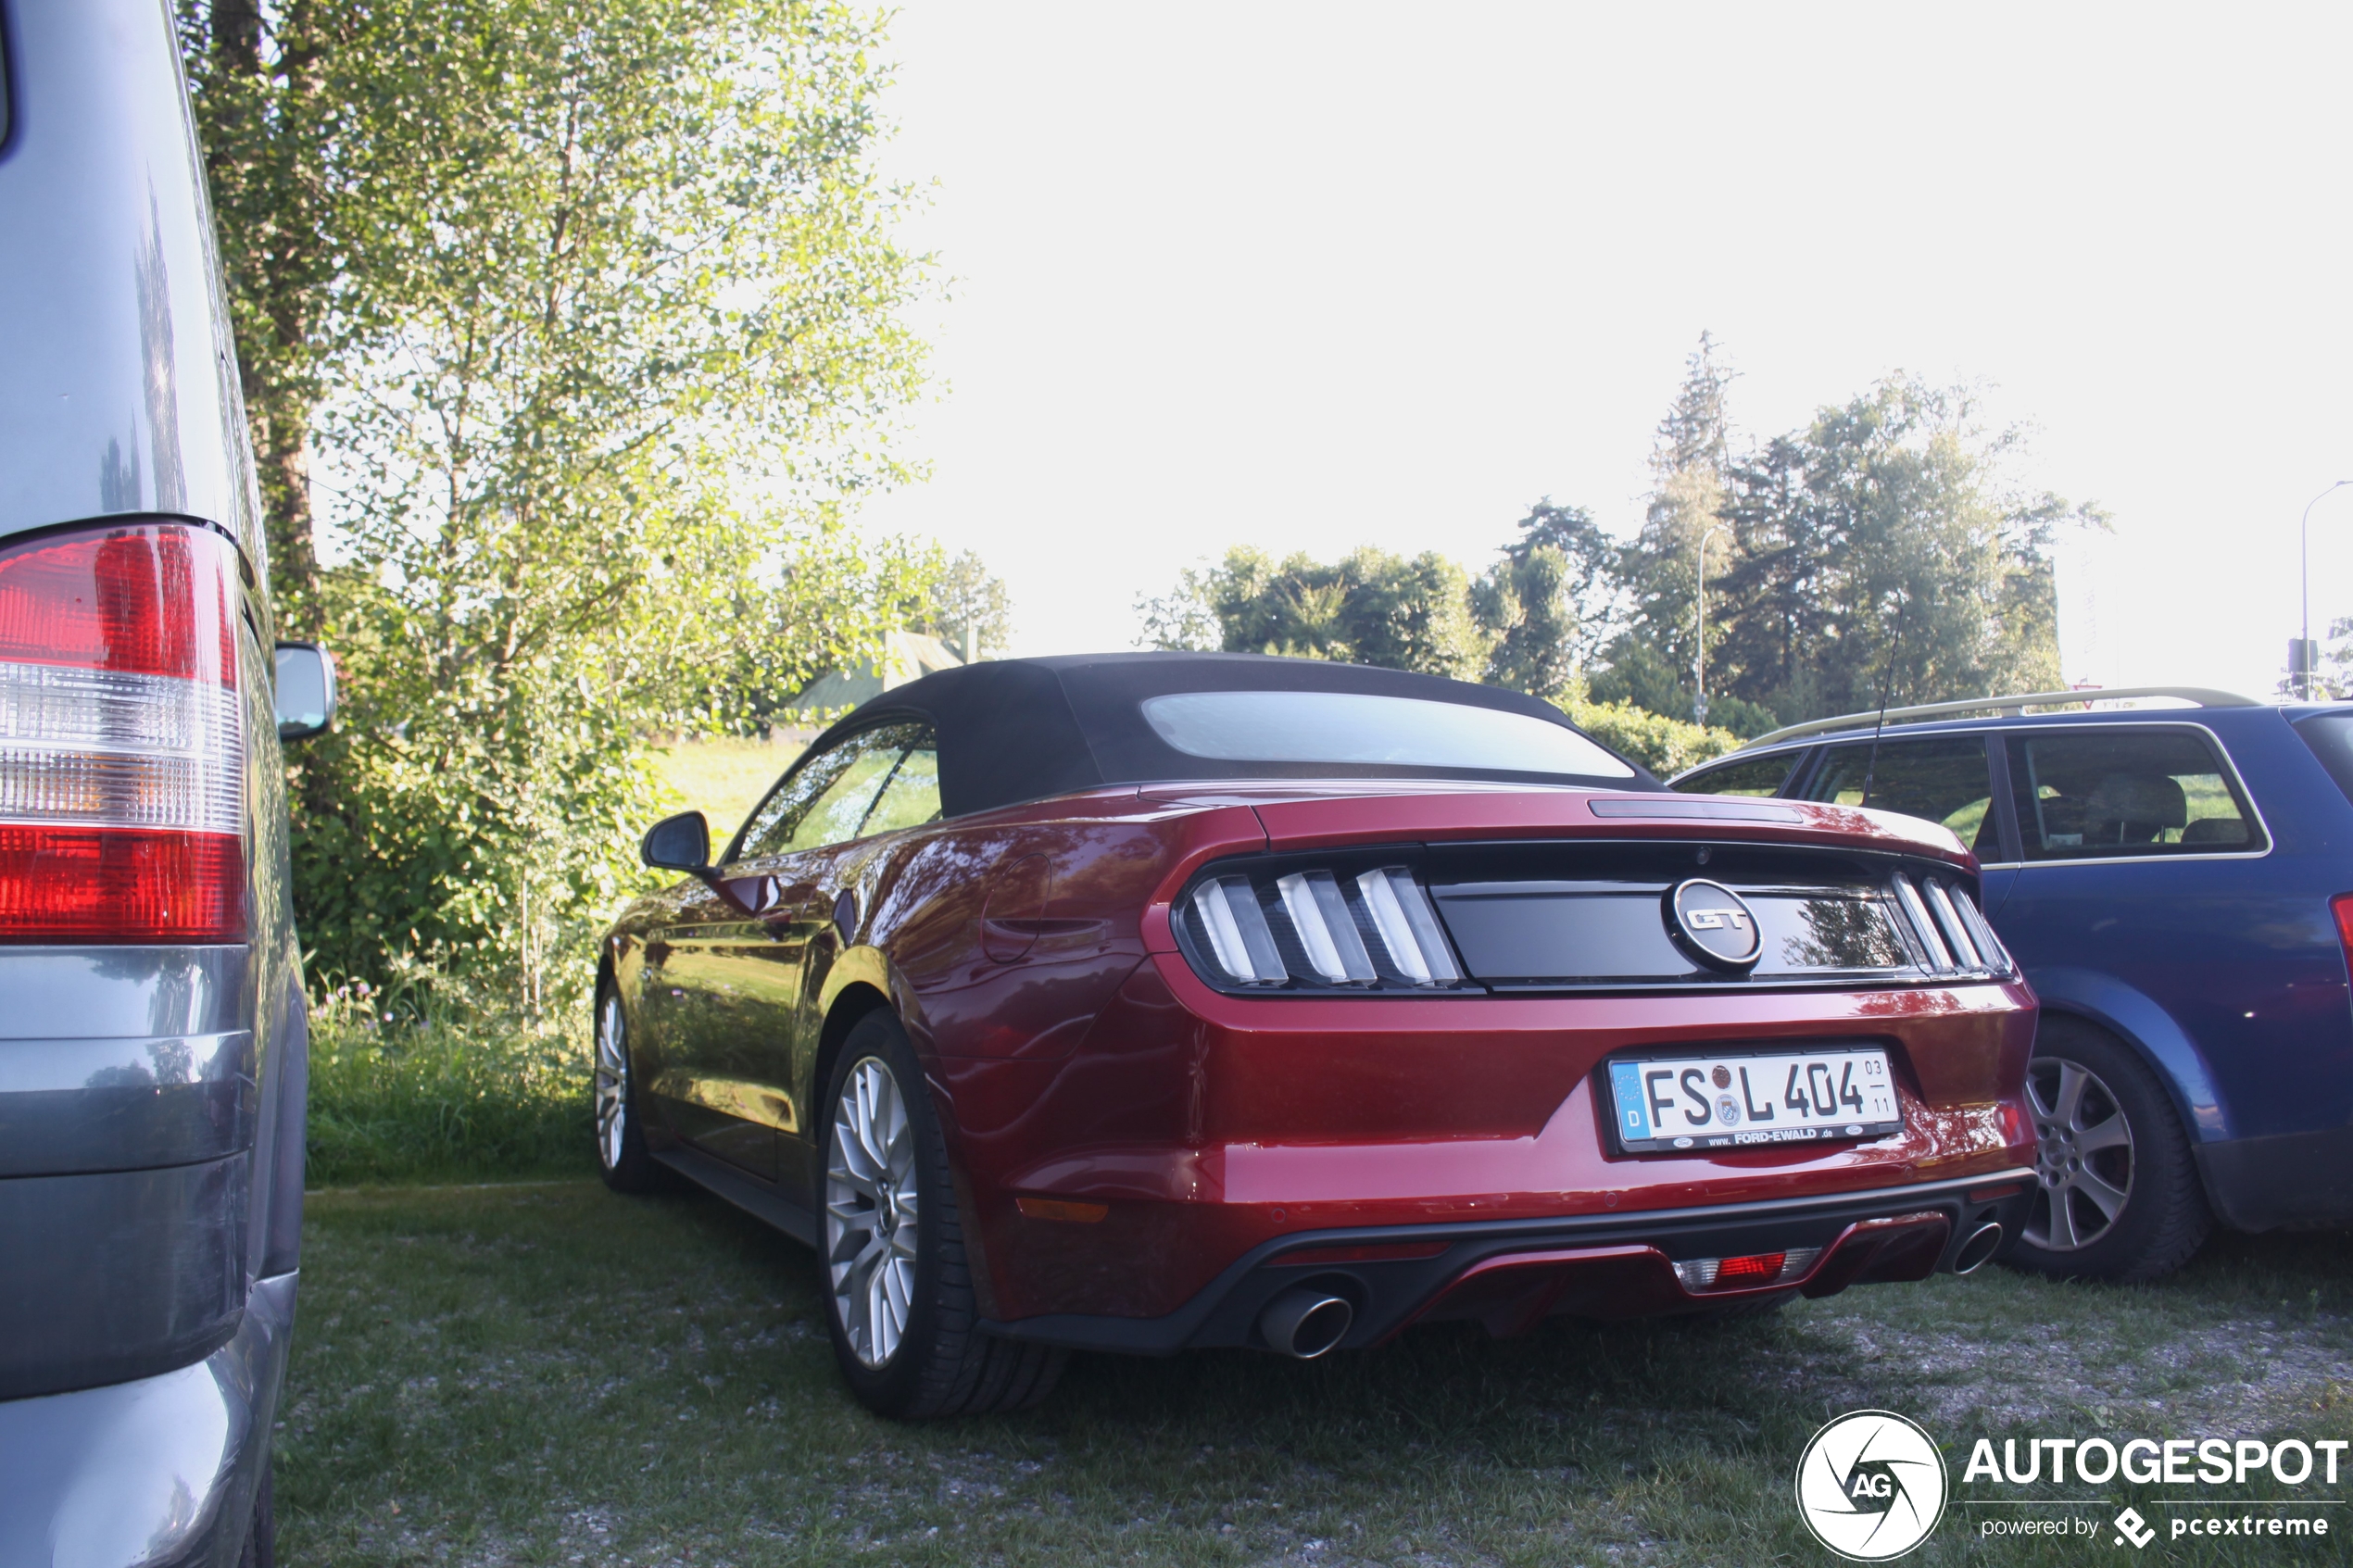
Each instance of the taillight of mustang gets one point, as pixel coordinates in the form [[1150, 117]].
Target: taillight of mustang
[[1570, 915], [121, 815], [1371, 928]]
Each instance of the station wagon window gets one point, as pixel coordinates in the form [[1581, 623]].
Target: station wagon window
[[883, 778], [1758, 775], [1945, 779], [2103, 791], [2331, 738]]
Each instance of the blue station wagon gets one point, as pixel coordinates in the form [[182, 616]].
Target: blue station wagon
[[2177, 883]]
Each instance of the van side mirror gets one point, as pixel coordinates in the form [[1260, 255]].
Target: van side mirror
[[678, 843], [304, 691]]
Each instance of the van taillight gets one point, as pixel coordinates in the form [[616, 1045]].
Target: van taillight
[[121, 810]]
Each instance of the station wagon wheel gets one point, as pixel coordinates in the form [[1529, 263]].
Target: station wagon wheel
[[2119, 1197], [2083, 1156], [873, 1212], [622, 1157], [899, 1299]]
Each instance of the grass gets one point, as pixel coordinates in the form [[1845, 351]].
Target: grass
[[725, 779], [448, 1094], [547, 1373]]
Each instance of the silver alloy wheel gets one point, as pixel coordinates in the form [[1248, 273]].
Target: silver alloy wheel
[[2083, 1155], [612, 1082], [870, 1212]]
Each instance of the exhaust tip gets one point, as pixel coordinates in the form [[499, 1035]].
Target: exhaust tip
[[1305, 1322], [1976, 1247]]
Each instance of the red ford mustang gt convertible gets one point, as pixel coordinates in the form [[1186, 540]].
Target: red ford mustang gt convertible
[[1150, 1002]]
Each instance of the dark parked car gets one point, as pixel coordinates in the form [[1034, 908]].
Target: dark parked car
[[152, 1040], [1150, 1001], [2178, 884]]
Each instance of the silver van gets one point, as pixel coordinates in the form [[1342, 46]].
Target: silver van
[[152, 1034]]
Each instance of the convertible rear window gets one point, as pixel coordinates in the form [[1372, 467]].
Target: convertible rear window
[[1357, 729]]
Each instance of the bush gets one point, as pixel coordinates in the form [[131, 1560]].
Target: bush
[[428, 1085], [1664, 745]]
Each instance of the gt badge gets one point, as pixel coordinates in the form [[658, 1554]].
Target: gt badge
[[1714, 925]]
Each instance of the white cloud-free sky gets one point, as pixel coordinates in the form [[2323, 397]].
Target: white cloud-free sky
[[1316, 275]]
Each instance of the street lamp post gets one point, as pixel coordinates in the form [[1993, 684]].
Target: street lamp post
[[2304, 659], [1699, 655]]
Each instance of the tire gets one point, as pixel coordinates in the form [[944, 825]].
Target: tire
[[622, 1157], [2119, 1197], [261, 1536], [902, 1311]]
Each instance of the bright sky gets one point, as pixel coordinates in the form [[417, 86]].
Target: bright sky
[[1309, 276]]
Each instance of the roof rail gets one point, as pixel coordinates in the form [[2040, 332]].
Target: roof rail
[[2201, 697]]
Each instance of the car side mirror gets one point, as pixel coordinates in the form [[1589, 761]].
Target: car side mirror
[[678, 843], [304, 691]]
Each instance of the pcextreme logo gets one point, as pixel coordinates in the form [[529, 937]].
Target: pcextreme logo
[[1870, 1486]]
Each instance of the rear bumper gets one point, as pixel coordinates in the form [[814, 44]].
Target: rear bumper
[[1509, 1273], [154, 1471], [2287, 1179]]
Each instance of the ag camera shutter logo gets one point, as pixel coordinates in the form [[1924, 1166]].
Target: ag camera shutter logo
[[1870, 1486]]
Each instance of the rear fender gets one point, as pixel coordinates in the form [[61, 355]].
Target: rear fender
[[859, 980], [2143, 1024]]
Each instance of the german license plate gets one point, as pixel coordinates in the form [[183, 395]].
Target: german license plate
[[1736, 1100]]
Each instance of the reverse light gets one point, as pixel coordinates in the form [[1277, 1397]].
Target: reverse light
[[1317, 928], [122, 816], [1746, 1272]]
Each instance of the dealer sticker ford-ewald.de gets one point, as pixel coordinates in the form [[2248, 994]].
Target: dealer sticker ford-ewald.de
[[1733, 1100]]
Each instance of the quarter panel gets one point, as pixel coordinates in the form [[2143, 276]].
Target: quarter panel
[[2225, 972], [1109, 880]]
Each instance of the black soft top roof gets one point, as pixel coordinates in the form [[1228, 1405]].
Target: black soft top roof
[[1023, 729]]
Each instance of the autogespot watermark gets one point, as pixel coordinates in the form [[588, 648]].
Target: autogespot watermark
[[1872, 1485]]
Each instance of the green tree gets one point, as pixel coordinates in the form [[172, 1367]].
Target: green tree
[[1689, 486], [1894, 506], [969, 610], [1182, 619], [612, 314], [1526, 603], [1898, 504], [1663, 745], [1589, 582], [273, 88], [1368, 608]]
